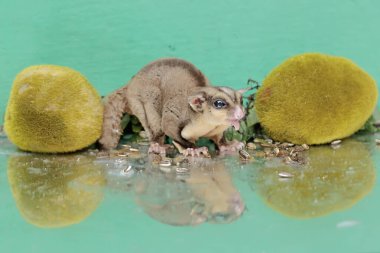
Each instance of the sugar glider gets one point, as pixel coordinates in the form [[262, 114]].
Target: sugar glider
[[172, 97]]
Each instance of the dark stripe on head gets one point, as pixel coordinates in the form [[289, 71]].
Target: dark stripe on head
[[229, 92]]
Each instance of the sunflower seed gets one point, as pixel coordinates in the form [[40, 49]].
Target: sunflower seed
[[156, 159], [288, 160], [305, 146], [143, 135], [336, 142], [166, 163], [182, 170], [244, 155], [285, 175], [258, 140], [251, 145], [127, 171]]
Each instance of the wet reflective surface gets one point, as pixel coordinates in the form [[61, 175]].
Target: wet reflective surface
[[132, 202]]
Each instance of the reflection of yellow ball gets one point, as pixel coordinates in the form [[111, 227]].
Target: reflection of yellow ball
[[315, 98], [53, 109], [55, 191], [333, 180]]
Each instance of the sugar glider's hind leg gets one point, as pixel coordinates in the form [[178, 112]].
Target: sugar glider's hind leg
[[173, 125], [114, 107], [150, 119]]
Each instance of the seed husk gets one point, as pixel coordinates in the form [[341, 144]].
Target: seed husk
[[288, 159], [266, 145], [258, 140], [376, 124], [259, 154], [182, 170], [244, 155], [156, 159], [251, 145], [336, 142], [166, 163], [285, 175], [143, 135], [127, 171], [183, 162]]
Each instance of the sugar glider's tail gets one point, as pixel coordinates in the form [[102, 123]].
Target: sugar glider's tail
[[115, 105]]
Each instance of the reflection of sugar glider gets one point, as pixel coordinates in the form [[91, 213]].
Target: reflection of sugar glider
[[172, 97]]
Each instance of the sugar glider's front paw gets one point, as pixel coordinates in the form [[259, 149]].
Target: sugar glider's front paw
[[231, 147], [196, 152], [157, 149]]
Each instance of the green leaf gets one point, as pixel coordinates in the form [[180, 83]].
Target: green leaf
[[369, 127], [137, 129], [124, 121], [251, 117]]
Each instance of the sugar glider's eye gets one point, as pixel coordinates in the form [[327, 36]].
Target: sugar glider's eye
[[219, 104]]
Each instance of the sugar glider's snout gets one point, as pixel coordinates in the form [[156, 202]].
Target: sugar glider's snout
[[237, 114]]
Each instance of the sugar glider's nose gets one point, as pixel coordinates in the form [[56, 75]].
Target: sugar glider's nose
[[239, 113]]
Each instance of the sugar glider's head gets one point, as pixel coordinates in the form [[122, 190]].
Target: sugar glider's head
[[218, 105]]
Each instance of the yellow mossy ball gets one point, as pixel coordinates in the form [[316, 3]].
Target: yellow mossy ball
[[55, 191], [314, 98], [53, 109]]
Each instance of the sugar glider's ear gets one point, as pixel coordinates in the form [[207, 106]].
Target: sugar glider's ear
[[196, 101]]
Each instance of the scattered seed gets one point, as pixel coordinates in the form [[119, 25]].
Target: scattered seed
[[336, 142], [285, 145], [143, 135], [259, 154], [182, 170], [156, 159], [376, 124], [258, 140], [251, 145], [288, 159], [127, 171], [305, 146], [244, 155], [276, 151], [102, 155], [285, 175], [144, 143], [266, 145], [134, 150], [166, 163], [183, 162]]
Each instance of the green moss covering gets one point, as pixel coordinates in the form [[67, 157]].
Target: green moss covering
[[53, 109], [55, 191], [314, 98]]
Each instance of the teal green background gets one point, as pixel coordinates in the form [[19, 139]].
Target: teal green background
[[230, 41]]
